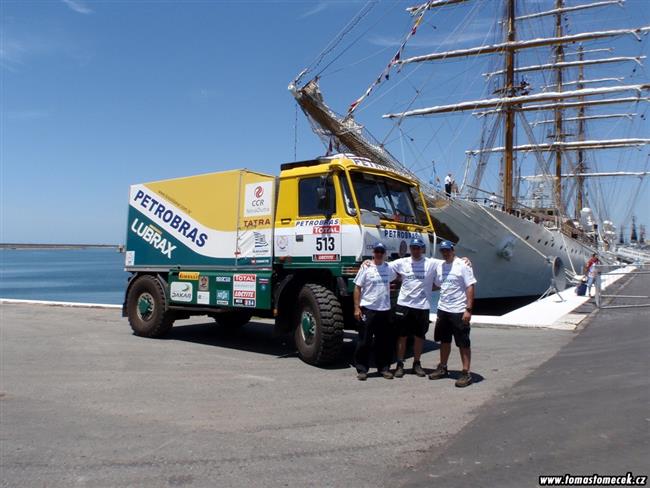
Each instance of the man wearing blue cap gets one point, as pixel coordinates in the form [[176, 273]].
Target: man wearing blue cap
[[456, 281], [413, 307], [372, 311]]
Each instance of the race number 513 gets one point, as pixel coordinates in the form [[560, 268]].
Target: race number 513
[[325, 243]]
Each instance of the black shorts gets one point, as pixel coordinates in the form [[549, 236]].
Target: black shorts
[[411, 321], [451, 324]]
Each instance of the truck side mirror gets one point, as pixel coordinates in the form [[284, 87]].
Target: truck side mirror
[[323, 194]]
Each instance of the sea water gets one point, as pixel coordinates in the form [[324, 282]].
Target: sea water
[[68, 275]]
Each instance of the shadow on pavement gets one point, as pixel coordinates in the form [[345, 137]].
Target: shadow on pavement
[[255, 337], [258, 337]]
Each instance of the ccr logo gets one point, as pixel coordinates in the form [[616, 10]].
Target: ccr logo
[[259, 191]]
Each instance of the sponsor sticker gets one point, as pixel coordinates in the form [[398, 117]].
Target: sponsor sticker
[[223, 297], [282, 242], [181, 291], [153, 236], [401, 234], [244, 281], [318, 223], [223, 279], [255, 223], [188, 275], [326, 257], [204, 283], [129, 259], [326, 229], [244, 289], [261, 244], [165, 214], [258, 198], [203, 297]]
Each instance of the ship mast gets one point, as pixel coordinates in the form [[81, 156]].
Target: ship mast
[[509, 111], [559, 135], [580, 168]]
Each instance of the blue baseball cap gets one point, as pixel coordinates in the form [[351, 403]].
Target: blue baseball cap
[[379, 246], [446, 245], [417, 242]]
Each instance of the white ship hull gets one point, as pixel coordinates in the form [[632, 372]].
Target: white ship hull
[[509, 254]]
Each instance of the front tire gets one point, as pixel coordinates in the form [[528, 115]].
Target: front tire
[[318, 325], [145, 306]]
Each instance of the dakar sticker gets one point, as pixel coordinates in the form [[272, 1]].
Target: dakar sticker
[[181, 292]]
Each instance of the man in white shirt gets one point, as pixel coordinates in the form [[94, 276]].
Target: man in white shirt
[[412, 310], [456, 281], [449, 182], [372, 311]]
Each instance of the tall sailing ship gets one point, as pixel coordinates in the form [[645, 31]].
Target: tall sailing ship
[[517, 233]]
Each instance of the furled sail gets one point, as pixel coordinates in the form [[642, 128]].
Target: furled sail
[[570, 64], [526, 44], [497, 102], [568, 105], [570, 145]]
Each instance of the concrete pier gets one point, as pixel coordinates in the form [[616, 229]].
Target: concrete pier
[[86, 403]]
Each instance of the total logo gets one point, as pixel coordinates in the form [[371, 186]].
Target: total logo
[[181, 291]]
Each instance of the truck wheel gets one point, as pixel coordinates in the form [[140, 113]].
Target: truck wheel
[[319, 325], [233, 319], [145, 306]]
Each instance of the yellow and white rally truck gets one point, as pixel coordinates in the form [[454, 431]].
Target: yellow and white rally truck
[[239, 243]]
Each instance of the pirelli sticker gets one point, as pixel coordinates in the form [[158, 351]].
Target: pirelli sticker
[[188, 275]]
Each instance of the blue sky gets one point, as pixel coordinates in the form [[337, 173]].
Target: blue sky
[[97, 95]]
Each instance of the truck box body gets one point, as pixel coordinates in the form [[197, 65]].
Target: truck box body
[[211, 220]]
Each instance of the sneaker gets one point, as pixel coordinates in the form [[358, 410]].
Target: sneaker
[[439, 372], [417, 369], [387, 374], [361, 376], [399, 371], [464, 380]]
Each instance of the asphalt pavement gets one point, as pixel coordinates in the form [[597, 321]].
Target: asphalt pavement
[[583, 412], [83, 402]]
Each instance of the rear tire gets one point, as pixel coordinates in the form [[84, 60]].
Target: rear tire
[[318, 325], [233, 319], [145, 307]]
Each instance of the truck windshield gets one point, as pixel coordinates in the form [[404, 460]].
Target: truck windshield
[[390, 199]]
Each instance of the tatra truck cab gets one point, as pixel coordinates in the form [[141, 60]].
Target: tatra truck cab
[[238, 243]]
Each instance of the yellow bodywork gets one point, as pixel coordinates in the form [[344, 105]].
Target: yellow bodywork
[[339, 167]]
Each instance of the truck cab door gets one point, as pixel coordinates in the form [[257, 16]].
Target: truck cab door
[[313, 233]]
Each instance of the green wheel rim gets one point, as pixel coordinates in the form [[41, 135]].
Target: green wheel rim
[[145, 306], [307, 326]]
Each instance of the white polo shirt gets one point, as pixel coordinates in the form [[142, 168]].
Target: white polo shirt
[[417, 281], [453, 279], [375, 285]]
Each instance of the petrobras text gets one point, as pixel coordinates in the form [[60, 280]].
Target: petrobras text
[[157, 209], [153, 236], [317, 222], [401, 234]]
